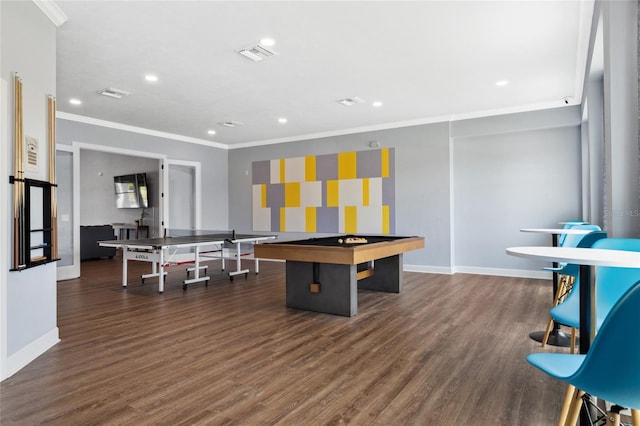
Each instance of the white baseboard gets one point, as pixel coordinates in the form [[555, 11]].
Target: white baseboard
[[428, 269], [517, 273], [67, 272], [30, 352]]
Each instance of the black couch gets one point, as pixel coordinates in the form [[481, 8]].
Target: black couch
[[89, 237]]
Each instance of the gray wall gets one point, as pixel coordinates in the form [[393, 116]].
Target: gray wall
[[422, 182], [28, 46], [521, 171], [214, 162], [509, 172]]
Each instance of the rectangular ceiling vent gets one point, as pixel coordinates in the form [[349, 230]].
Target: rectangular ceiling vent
[[350, 101], [230, 123], [256, 53], [113, 93]]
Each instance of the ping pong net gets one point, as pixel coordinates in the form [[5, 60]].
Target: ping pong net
[[204, 233]]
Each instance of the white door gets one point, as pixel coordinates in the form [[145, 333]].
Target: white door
[[68, 251], [182, 195]]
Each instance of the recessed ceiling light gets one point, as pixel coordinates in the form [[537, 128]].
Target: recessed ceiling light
[[267, 41], [151, 78], [282, 120], [75, 101], [377, 104], [211, 132], [502, 83]]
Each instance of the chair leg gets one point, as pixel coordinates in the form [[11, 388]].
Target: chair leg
[[574, 410], [560, 291], [547, 332], [613, 419], [573, 340], [635, 417], [566, 404]]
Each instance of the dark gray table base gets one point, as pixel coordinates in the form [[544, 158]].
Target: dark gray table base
[[339, 286]]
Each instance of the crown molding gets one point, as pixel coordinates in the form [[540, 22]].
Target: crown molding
[[125, 127], [407, 123], [53, 11], [341, 132]]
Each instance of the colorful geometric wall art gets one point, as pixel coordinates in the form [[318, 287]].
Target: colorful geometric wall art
[[347, 192]]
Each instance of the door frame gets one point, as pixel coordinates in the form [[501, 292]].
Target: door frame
[[165, 220], [73, 271]]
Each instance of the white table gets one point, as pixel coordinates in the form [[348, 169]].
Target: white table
[[556, 337], [586, 258]]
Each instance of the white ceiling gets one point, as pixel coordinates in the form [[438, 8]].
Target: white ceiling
[[425, 60]]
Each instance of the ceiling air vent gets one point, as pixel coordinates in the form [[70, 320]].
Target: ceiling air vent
[[113, 93], [256, 53], [350, 101], [230, 123]]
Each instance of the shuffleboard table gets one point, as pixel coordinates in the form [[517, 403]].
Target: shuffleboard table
[[324, 274]]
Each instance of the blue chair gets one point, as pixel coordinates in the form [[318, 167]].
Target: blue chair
[[611, 283], [610, 370], [568, 225], [569, 272]]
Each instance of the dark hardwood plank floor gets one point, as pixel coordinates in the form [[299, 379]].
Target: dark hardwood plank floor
[[448, 350]]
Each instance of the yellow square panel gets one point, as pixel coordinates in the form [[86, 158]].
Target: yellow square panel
[[310, 220], [385, 162], [351, 219], [310, 168], [332, 193], [365, 192], [292, 194], [347, 165], [386, 225]]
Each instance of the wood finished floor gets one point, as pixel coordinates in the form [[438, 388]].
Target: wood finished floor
[[448, 350]]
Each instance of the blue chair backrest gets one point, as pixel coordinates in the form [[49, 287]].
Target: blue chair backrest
[[611, 369], [582, 241], [568, 224], [574, 240], [613, 282]]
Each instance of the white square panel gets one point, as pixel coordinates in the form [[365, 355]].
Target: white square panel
[[261, 219], [311, 194], [294, 169], [350, 192], [295, 219]]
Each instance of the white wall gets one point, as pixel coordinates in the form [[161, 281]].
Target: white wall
[[28, 46]]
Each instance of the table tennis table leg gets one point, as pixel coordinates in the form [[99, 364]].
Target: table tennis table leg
[[257, 261], [125, 259], [239, 269], [161, 272]]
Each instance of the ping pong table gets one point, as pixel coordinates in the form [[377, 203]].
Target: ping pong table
[[163, 251]]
